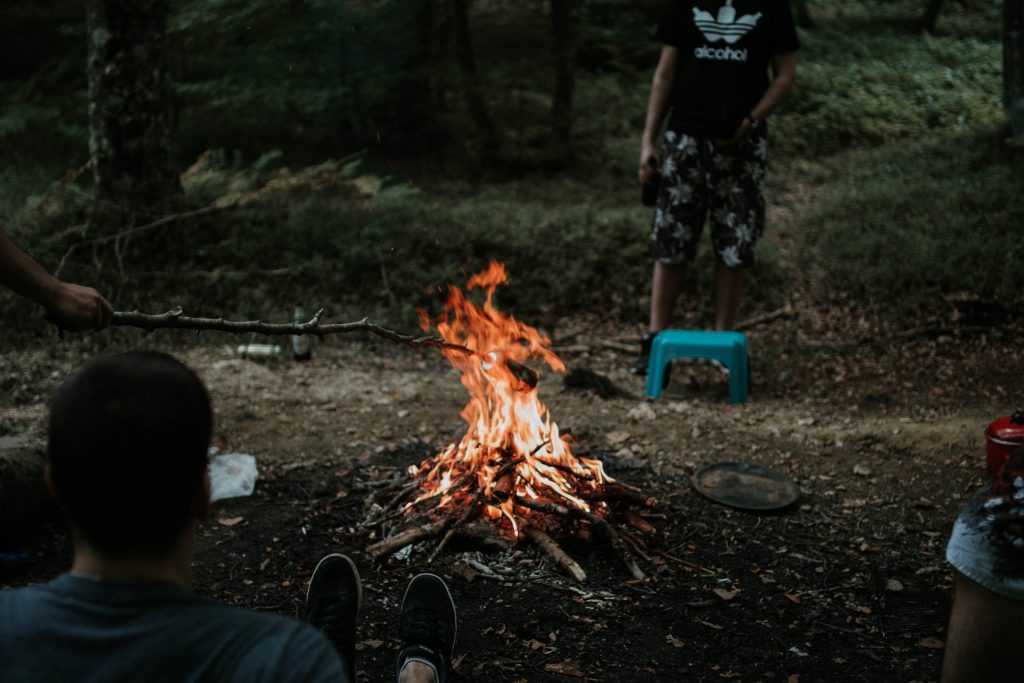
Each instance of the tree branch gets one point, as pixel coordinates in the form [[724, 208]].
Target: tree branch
[[174, 319], [116, 237]]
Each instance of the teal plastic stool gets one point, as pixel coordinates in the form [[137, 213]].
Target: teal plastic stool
[[728, 348]]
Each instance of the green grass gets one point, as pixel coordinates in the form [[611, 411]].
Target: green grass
[[908, 223], [894, 131]]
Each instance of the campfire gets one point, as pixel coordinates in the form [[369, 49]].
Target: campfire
[[513, 473]]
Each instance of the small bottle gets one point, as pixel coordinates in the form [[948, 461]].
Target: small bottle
[[649, 193], [259, 351], [300, 342]]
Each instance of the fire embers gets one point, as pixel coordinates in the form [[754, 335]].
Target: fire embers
[[1004, 506]]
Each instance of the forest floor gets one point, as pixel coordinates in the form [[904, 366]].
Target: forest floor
[[883, 432]]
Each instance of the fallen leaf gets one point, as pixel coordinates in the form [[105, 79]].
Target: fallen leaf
[[724, 594], [792, 597], [893, 586], [230, 521], [862, 609], [673, 641], [931, 643], [458, 660], [564, 668], [369, 645], [862, 470]]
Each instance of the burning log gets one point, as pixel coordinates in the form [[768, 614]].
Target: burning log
[[557, 554], [528, 377], [513, 469], [621, 549], [410, 535], [613, 492]]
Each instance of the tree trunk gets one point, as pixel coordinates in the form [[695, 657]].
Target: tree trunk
[[427, 70], [564, 50], [130, 107], [931, 15], [802, 14], [1013, 64], [472, 89]]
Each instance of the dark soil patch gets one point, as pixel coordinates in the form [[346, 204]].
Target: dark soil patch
[[884, 440]]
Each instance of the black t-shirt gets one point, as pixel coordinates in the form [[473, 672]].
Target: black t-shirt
[[725, 49]]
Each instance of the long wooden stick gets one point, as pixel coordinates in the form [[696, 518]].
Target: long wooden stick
[[404, 538], [784, 312], [639, 523], [174, 319], [618, 491], [557, 554]]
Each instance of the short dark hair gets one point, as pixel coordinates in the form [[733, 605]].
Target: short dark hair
[[127, 446]]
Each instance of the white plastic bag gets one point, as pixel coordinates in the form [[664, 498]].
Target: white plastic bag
[[232, 475]]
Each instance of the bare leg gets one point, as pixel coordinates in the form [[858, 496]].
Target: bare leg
[[984, 635], [417, 672], [666, 284], [728, 288]]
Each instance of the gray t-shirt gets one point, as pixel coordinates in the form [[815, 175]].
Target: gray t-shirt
[[80, 629]]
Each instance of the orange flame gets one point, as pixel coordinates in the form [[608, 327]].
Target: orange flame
[[510, 433]]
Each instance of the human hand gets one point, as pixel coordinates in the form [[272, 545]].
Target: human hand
[[743, 131], [75, 308], [650, 164]]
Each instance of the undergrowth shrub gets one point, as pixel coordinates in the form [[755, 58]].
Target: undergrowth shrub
[[865, 89], [910, 222]]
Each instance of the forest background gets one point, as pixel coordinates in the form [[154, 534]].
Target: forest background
[[361, 155]]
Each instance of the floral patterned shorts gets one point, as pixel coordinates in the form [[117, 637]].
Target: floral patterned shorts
[[701, 178], [987, 543]]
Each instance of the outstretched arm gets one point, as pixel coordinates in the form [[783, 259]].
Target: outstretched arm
[[73, 307], [657, 106]]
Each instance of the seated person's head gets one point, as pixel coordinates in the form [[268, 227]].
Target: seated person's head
[[127, 448]]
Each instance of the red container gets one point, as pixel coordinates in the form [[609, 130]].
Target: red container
[[1002, 438]]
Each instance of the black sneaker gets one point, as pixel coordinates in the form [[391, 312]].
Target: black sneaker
[[333, 601], [428, 625], [639, 368]]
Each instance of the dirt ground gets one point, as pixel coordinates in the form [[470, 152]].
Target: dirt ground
[[883, 431]]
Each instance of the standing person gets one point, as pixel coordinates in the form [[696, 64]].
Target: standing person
[[128, 436], [714, 74], [71, 306]]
